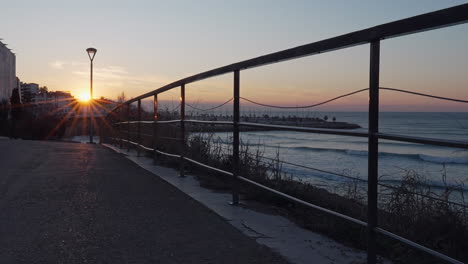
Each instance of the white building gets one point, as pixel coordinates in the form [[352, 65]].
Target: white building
[[29, 91], [58, 103]]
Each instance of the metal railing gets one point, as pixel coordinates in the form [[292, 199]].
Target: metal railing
[[429, 21]]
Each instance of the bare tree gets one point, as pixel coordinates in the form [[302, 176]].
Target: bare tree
[[121, 98]]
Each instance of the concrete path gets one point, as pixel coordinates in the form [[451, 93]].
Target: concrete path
[[79, 203], [258, 221]]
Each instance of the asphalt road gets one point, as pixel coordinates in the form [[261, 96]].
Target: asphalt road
[[79, 203]]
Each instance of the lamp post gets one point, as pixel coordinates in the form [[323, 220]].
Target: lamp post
[[91, 54]]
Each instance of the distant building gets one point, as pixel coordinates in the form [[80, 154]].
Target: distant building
[[106, 106], [101, 108], [7, 73], [29, 91], [58, 103]]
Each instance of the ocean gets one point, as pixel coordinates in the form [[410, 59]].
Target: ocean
[[348, 155]]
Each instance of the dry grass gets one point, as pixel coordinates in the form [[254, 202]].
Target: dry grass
[[404, 210]]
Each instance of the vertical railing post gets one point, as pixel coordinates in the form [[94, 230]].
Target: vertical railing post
[[121, 119], [373, 150], [128, 127], [236, 140], [182, 129], [100, 129], [104, 130], [139, 128], [155, 125]]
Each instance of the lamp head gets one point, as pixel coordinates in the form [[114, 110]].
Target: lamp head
[[91, 53]]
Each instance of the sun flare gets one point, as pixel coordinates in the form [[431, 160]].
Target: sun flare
[[84, 97]]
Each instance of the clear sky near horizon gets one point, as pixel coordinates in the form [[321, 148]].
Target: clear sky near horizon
[[143, 45]]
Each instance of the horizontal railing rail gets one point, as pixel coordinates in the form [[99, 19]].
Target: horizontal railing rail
[[434, 20]]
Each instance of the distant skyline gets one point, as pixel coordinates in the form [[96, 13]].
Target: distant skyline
[[143, 45]]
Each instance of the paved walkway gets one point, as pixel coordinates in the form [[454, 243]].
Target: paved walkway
[[79, 203]]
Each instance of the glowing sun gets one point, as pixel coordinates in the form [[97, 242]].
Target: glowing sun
[[84, 97]]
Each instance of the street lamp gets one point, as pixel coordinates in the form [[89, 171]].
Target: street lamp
[[91, 54]]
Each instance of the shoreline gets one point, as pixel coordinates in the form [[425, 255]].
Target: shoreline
[[296, 122]]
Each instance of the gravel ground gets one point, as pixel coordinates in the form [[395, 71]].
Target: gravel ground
[[80, 203]]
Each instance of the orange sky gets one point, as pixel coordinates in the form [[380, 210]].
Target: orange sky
[[144, 46]]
